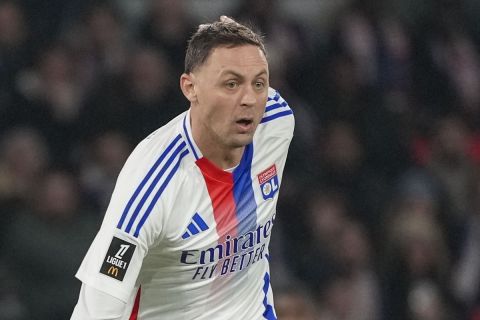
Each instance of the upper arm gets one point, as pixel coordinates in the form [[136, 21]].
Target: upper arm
[[115, 257]]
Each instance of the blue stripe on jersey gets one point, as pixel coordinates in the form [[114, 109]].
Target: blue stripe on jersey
[[144, 181], [243, 193], [153, 185], [199, 221], [276, 115], [188, 138], [159, 193], [275, 97], [276, 106], [193, 229], [268, 313]]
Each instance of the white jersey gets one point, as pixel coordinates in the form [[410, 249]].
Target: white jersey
[[183, 239]]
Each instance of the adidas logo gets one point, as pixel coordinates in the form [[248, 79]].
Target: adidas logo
[[196, 226]]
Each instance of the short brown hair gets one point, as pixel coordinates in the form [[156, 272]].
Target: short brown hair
[[225, 32]]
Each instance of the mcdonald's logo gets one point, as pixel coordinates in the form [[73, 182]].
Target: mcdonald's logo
[[113, 271], [117, 259]]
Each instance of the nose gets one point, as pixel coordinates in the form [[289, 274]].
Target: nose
[[249, 97]]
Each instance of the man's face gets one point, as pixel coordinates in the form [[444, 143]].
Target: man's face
[[231, 93]]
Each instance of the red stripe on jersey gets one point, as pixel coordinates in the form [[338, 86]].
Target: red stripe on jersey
[[220, 188], [136, 305]]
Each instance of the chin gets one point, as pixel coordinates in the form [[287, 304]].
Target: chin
[[241, 142]]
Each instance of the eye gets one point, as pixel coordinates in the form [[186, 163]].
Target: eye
[[259, 85], [231, 84]]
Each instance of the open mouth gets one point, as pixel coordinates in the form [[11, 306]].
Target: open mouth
[[245, 122]]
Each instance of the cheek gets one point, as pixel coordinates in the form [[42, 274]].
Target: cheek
[[220, 109], [260, 110], [261, 107], [215, 115]]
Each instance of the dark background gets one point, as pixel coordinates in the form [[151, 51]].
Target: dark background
[[379, 209]]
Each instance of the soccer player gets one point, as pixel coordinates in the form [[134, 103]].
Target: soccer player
[[187, 230]]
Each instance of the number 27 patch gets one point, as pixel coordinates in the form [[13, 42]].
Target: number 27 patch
[[118, 258]]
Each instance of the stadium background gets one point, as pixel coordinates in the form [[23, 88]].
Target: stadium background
[[379, 216]]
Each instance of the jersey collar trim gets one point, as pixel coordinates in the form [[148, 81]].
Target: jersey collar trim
[[187, 132], [218, 174]]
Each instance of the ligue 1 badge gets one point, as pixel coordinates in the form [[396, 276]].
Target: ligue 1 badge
[[268, 180], [118, 258]]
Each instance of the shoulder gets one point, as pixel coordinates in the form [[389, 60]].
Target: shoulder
[[147, 178], [159, 154], [159, 146], [278, 118]]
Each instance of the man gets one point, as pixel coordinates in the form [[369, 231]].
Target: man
[[187, 230]]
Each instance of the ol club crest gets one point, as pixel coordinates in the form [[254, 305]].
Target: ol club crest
[[268, 180]]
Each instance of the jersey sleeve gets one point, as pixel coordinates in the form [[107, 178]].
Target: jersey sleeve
[[115, 257], [276, 130], [94, 304], [278, 119]]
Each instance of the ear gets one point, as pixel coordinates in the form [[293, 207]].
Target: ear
[[187, 84]]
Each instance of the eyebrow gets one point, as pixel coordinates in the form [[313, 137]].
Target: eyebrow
[[238, 75]]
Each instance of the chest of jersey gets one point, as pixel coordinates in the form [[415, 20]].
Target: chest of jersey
[[223, 221]]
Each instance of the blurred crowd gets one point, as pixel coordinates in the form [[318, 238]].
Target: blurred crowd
[[379, 214]]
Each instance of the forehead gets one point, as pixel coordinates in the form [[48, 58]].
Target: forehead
[[240, 58]]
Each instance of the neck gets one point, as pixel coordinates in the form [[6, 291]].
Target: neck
[[223, 160]]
